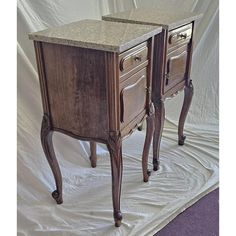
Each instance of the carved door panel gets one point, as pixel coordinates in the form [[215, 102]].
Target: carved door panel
[[176, 67], [133, 95]]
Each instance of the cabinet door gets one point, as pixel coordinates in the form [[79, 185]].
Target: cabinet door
[[133, 95], [176, 67]]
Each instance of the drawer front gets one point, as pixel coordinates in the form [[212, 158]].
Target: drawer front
[[133, 95], [180, 35], [176, 67], [133, 58]]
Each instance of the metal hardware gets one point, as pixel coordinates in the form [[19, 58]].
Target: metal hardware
[[138, 58], [182, 36]]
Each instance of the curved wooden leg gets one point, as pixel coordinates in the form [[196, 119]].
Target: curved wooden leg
[[115, 150], [188, 94], [159, 122], [147, 144], [46, 140], [93, 155]]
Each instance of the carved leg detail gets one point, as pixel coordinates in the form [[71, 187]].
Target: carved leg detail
[[114, 147], [188, 94], [46, 140], [93, 155], [159, 122], [147, 144]]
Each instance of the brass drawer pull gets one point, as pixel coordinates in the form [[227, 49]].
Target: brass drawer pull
[[132, 58], [182, 36], [138, 58]]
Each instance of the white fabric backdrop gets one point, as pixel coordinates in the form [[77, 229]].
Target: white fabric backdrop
[[186, 173]]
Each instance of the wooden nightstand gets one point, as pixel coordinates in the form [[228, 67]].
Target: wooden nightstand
[[171, 62], [96, 79]]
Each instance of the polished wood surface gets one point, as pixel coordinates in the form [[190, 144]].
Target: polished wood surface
[[176, 67], [171, 74], [147, 143], [188, 94], [171, 62], [132, 58], [47, 144], [179, 35], [93, 154], [86, 96], [131, 104], [75, 93]]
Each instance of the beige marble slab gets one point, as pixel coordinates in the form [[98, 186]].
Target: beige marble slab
[[154, 16], [95, 34]]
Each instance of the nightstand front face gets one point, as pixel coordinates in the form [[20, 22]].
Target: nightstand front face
[[173, 47], [178, 55], [133, 95], [134, 75]]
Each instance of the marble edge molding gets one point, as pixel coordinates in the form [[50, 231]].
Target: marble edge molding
[[97, 46], [122, 20], [171, 25]]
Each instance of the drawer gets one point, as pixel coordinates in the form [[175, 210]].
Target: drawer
[[133, 95], [133, 58], [180, 35], [176, 67]]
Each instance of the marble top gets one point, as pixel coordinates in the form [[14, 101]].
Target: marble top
[[97, 34], [154, 16]]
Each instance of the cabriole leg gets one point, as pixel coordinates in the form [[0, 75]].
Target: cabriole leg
[[115, 150], [188, 94], [47, 144], [147, 144], [158, 123]]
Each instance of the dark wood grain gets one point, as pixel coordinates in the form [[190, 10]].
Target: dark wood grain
[[171, 74], [77, 85], [159, 123], [131, 104], [131, 59], [181, 35], [159, 65], [147, 143], [42, 76], [93, 154], [188, 94], [47, 144], [115, 150], [85, 96], [176, 67]]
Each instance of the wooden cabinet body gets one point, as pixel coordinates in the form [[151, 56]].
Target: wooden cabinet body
[[171, 64], [172, 61], [98, 92], [79, 82]]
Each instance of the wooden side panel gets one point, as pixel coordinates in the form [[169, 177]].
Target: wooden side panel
[[42, 77], [112, 84], [77, 90], [159, 59]]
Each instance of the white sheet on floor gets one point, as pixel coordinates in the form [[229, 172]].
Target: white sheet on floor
[[186, 174]]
